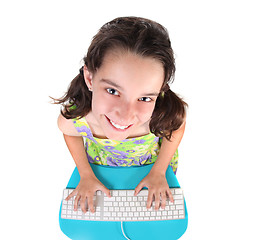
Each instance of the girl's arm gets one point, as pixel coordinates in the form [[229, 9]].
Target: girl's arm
[[156, 181], [89, 183]]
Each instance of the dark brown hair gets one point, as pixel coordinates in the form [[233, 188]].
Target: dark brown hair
[[145, 38]]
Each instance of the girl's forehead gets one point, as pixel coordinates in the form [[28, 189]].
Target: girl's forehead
[[123, 55], [131, 70]]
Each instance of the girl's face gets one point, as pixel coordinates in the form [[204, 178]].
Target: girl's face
[[125, 89]]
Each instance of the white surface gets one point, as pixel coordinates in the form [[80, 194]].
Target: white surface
[[227, 62]]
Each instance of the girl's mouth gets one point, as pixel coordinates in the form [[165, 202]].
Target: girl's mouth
[[117, 126]]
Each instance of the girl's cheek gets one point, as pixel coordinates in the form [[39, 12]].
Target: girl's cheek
[[145, 111], [102, 99]]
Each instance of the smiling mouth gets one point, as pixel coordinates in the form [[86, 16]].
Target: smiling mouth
[[117, 126]]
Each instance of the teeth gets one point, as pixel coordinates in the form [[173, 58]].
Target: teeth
[[118, 126]]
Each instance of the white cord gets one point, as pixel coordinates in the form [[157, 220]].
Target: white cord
[[123, 231]]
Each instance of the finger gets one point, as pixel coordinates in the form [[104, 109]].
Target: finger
[[138, 188], [83, 204], [75, 206], [157, 201], [72, 194], [163, 200], [170, 195], [91, 204], [149, 200], [106, 191]]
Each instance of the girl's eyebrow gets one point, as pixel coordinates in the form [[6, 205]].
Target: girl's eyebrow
[[111, 83], [151, 94], [120, 88]]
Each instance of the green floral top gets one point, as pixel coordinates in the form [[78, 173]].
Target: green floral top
[[129, 152]]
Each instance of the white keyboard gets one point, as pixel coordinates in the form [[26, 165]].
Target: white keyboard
[[124, 206]]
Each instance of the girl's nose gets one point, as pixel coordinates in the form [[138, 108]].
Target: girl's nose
[[126, 113]]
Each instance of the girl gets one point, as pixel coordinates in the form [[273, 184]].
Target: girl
[[122, 105]]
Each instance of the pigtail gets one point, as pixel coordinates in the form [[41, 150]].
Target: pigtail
[[77, 100], [168, 115]]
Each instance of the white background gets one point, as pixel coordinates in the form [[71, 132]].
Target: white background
[[226, 53]]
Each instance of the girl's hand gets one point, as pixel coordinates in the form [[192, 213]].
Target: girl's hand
[[86, 190], [158, 189]]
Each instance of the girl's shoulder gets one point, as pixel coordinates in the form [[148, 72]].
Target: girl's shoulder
[[66, 126]]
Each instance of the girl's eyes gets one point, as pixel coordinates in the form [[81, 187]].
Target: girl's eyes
[[145, 99], [112, 91]]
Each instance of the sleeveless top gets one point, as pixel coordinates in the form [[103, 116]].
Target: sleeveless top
[[129, 152]]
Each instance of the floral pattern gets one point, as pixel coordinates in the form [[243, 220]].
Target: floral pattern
[[129, 152]]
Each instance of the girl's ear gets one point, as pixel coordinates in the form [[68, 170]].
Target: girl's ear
[[88, 76]]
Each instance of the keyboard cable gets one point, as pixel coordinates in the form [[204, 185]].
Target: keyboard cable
[[124, 231]]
